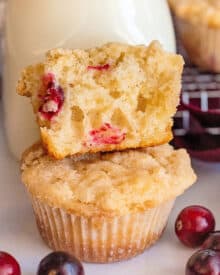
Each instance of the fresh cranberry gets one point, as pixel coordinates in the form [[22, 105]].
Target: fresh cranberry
[[212, 241], [99, 67], [106, 134], [204, 262], [193, 225], [53, 99], [60, 263], [8, 265]]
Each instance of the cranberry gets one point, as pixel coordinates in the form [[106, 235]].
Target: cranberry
[[60, 263], [99, 67], [53, 99], [48, 80], [8, 265], [193, 225], [212, 241], [204, 262], [106, 134]]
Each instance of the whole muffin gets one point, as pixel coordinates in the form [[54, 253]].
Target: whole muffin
[[198, 24], [105, 207]]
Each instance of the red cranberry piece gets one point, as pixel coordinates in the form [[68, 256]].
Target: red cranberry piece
[[212, 241], [53, 99], [99, 67], [204, 262], [48, 80], [60, 263], [8, 265], [193, 225], [106, 134]]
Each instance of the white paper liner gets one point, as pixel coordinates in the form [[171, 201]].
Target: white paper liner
[[100, 239]]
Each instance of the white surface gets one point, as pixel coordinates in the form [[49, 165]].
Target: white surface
[[72, 24], [19, 236]]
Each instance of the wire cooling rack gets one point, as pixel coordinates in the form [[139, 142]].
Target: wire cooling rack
[[200, 96]]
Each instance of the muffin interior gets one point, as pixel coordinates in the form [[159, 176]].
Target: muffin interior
[[108, 98]]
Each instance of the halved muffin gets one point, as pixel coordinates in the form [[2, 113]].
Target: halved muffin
[[103, 99], [105, 207]]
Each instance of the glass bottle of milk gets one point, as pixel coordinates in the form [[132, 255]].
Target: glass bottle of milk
[[32, 27]]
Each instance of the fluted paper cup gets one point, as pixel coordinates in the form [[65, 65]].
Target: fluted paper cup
[[100, 239]]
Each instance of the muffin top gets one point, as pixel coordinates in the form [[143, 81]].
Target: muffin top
[[198, 11], [107, 183]]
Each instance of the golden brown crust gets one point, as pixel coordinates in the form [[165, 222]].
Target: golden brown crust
[[137, 96], [108, 184]]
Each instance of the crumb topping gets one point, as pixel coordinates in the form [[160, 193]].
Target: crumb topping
[[108, 183]]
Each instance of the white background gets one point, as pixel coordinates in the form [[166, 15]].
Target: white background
[[19, 236]]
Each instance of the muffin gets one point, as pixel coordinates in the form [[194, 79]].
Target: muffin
[[198, 24], [105, 207], [109, 98]]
